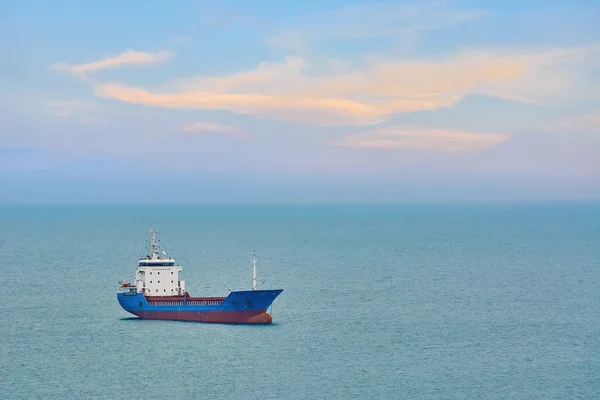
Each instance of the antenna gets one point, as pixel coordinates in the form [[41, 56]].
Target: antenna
[[254, 270], [153, 243]]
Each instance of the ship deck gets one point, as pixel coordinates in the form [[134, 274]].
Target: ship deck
[[179, 300]]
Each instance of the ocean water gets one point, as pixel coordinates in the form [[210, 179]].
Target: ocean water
[[379, 302]]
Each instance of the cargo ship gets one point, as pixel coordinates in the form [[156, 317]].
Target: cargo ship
[[157, 293]]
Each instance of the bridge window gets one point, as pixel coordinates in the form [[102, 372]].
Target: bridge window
[[156, 264]]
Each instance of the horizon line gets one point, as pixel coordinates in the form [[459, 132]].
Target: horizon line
[[310, 204]]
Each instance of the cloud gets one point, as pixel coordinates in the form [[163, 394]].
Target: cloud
[[219, 15], [290, 40], [79, 111], [424, 139], [125, 58], [381, 19], [181, 40], [315, 109], [372, 93], [66, 109], [89, 112], [371, 21], [587, 122], [210, 127], [552, 77]]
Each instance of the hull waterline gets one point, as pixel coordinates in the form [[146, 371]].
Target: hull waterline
[[218, 317]]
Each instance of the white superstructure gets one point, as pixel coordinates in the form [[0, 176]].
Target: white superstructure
[[157, 274]]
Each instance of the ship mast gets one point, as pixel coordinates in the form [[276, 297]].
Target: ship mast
[[153, 244], [254, 271]]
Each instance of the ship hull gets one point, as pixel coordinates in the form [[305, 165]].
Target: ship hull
[[219, 317], [240, 307]]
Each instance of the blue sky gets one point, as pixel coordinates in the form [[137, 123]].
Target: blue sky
[[314, 101]]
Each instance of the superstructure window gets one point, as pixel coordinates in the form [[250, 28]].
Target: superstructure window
[[156, 264], [158, 281]]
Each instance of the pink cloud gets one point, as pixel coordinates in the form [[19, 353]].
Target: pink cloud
[[424, 139]]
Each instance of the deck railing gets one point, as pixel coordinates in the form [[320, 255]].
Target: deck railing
[[204, 302], [188, 303]]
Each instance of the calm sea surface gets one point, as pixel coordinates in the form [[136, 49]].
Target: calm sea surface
[[382, 302]]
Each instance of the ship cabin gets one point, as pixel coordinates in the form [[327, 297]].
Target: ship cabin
[[159, 277], [156, 274]]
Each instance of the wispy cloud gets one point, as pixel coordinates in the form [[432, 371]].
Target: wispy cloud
[[585, 122], [89, 112], [181, 40], [553, 77], [125, 58], [66, 109], [220, 15], [424, 139], [79, 111], [290, 40], [372, 93], [210, 127], [372, 20]]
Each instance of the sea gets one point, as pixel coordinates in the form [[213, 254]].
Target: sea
[[379, 302]]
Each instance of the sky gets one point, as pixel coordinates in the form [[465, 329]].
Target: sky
[[193, 102]]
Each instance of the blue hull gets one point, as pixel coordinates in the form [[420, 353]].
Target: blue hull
[[245, 307]]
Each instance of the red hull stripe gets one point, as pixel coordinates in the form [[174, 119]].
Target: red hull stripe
[[223, 317]]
